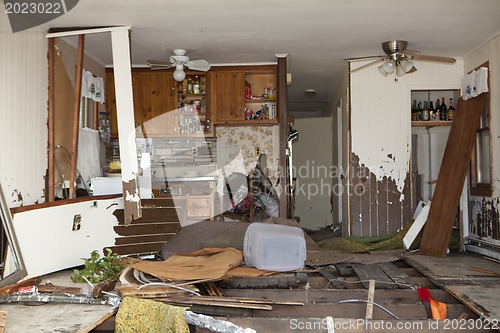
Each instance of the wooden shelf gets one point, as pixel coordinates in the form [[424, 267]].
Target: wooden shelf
[[260, 100], [189, 97], [432, 123], [262, 122]]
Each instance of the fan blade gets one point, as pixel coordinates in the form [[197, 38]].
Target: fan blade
[[368, 64], [364, 58], [156, 68], [410, 52], [154, 63], [432, 58], [198, 65], [412, 70]]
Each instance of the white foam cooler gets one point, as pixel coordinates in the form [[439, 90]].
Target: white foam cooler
[[274, 247]]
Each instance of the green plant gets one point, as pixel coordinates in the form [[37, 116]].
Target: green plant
[[99, 269]]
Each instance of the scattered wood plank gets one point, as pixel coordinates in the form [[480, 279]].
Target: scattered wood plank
[[366, 272], [137, 248], [152, 291], [483, 271], [451, 177], [280, 281], [58, 289], [188, 301], [3, 320], [150, 215], [106, 285], [328, 275], [397, 275], [212, 289], [7, 290], [482, 301], [344, 269]]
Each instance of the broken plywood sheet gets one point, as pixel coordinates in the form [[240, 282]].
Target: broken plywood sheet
[[68, 318], [453, 266], [483, 301]]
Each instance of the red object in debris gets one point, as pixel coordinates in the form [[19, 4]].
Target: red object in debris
[[30, 289]]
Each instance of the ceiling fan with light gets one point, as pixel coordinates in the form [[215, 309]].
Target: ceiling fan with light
[[398, 58], [180, 60]]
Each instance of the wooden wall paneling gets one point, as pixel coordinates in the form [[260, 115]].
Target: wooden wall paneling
[[111, 104], [137, 95], [50, 125], [374, 200], [282, 110], [383, 215], [76, 112], [95, 118], [437, 230], [159, 103]]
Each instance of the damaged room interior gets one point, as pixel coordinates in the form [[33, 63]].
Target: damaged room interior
[[266, 166]]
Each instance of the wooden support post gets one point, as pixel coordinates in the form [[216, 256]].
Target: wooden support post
[[371, 294], [76, 114], [120, 43], [96, 115], [50, 124], [283, 136]]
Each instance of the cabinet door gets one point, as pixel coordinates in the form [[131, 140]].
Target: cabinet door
[[159, 104], [229, 96], [137, 95]]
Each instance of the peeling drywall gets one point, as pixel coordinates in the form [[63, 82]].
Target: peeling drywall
[[378, 207]]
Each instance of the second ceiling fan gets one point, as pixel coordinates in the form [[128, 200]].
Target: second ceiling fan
[[398, 58]]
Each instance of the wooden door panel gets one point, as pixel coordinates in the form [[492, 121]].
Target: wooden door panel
[[229, 96]]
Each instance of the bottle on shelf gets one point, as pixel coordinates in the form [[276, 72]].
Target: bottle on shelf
[[451, 110], [189, 85], [179, 87], [248, 90], [425, 112], [202, 84], [432, 111], [414, 113], [185, 86], [196, 85], [443, 111], [419, 111]]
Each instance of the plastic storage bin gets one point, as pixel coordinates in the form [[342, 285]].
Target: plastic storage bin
[[274, 247]]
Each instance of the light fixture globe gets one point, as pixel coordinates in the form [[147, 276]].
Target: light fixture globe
[[389, 66], [406, 65], [382, 70], [179, 74]]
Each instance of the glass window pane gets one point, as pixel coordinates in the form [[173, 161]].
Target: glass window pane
[[483, 157]]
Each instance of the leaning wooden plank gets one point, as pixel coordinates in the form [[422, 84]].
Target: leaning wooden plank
[[437, 230], [403, 280], [366, 272], [415, 228], [120, 44]]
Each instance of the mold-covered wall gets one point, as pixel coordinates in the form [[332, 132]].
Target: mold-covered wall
[[23, 113], [379, 194], [484, 222]]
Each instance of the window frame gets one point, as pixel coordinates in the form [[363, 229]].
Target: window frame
[[477, 188]]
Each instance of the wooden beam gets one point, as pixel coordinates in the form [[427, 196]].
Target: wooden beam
[[96, 115], [371, 294], [120, 43], [76, 114], [283, 136], [50, 124], [451, 178]]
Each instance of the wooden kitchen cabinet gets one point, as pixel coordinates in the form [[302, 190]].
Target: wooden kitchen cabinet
[[228, 96], [158, 104], [230, 100]]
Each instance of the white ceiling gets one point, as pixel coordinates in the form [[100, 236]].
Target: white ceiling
[[317, 34]]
